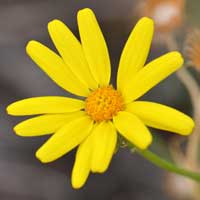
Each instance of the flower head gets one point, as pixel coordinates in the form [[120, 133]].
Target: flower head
[[92, 124], [167, 14]]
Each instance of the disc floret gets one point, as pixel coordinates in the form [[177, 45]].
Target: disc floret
[[104, 103]]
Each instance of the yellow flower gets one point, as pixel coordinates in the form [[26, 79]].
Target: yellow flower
[[92, 124]]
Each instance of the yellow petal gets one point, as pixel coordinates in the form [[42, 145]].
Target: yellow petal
[[104, 143], [65, 139], [81, 167], [45, 124], [162, 117], [94, 46], [135, 52], [71, 51], [151, 74], [45, 105], [55, 68], [133, 129]]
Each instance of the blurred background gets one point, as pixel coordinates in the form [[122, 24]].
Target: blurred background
[[22, 176]]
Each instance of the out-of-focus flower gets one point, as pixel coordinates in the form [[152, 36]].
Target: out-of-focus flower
[[167, 14], [92, 124], [192, 48]]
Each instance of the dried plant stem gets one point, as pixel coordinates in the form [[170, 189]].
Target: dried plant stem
[[184, 76], [164, 164], [192, 153], [194, 91], [175, 150]]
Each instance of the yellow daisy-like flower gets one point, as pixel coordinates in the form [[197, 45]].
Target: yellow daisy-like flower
[[92, 124]]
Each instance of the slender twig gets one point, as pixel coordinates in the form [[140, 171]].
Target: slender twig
[[194, 91], [183, 74], [164, 164], [192, 152], [175, 150]]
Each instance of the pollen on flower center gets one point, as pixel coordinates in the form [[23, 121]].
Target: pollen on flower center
[[104, 103]]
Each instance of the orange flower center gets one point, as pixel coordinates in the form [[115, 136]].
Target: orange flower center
[[104, 103]]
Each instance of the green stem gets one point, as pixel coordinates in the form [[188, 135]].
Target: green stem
[[164, 164]]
